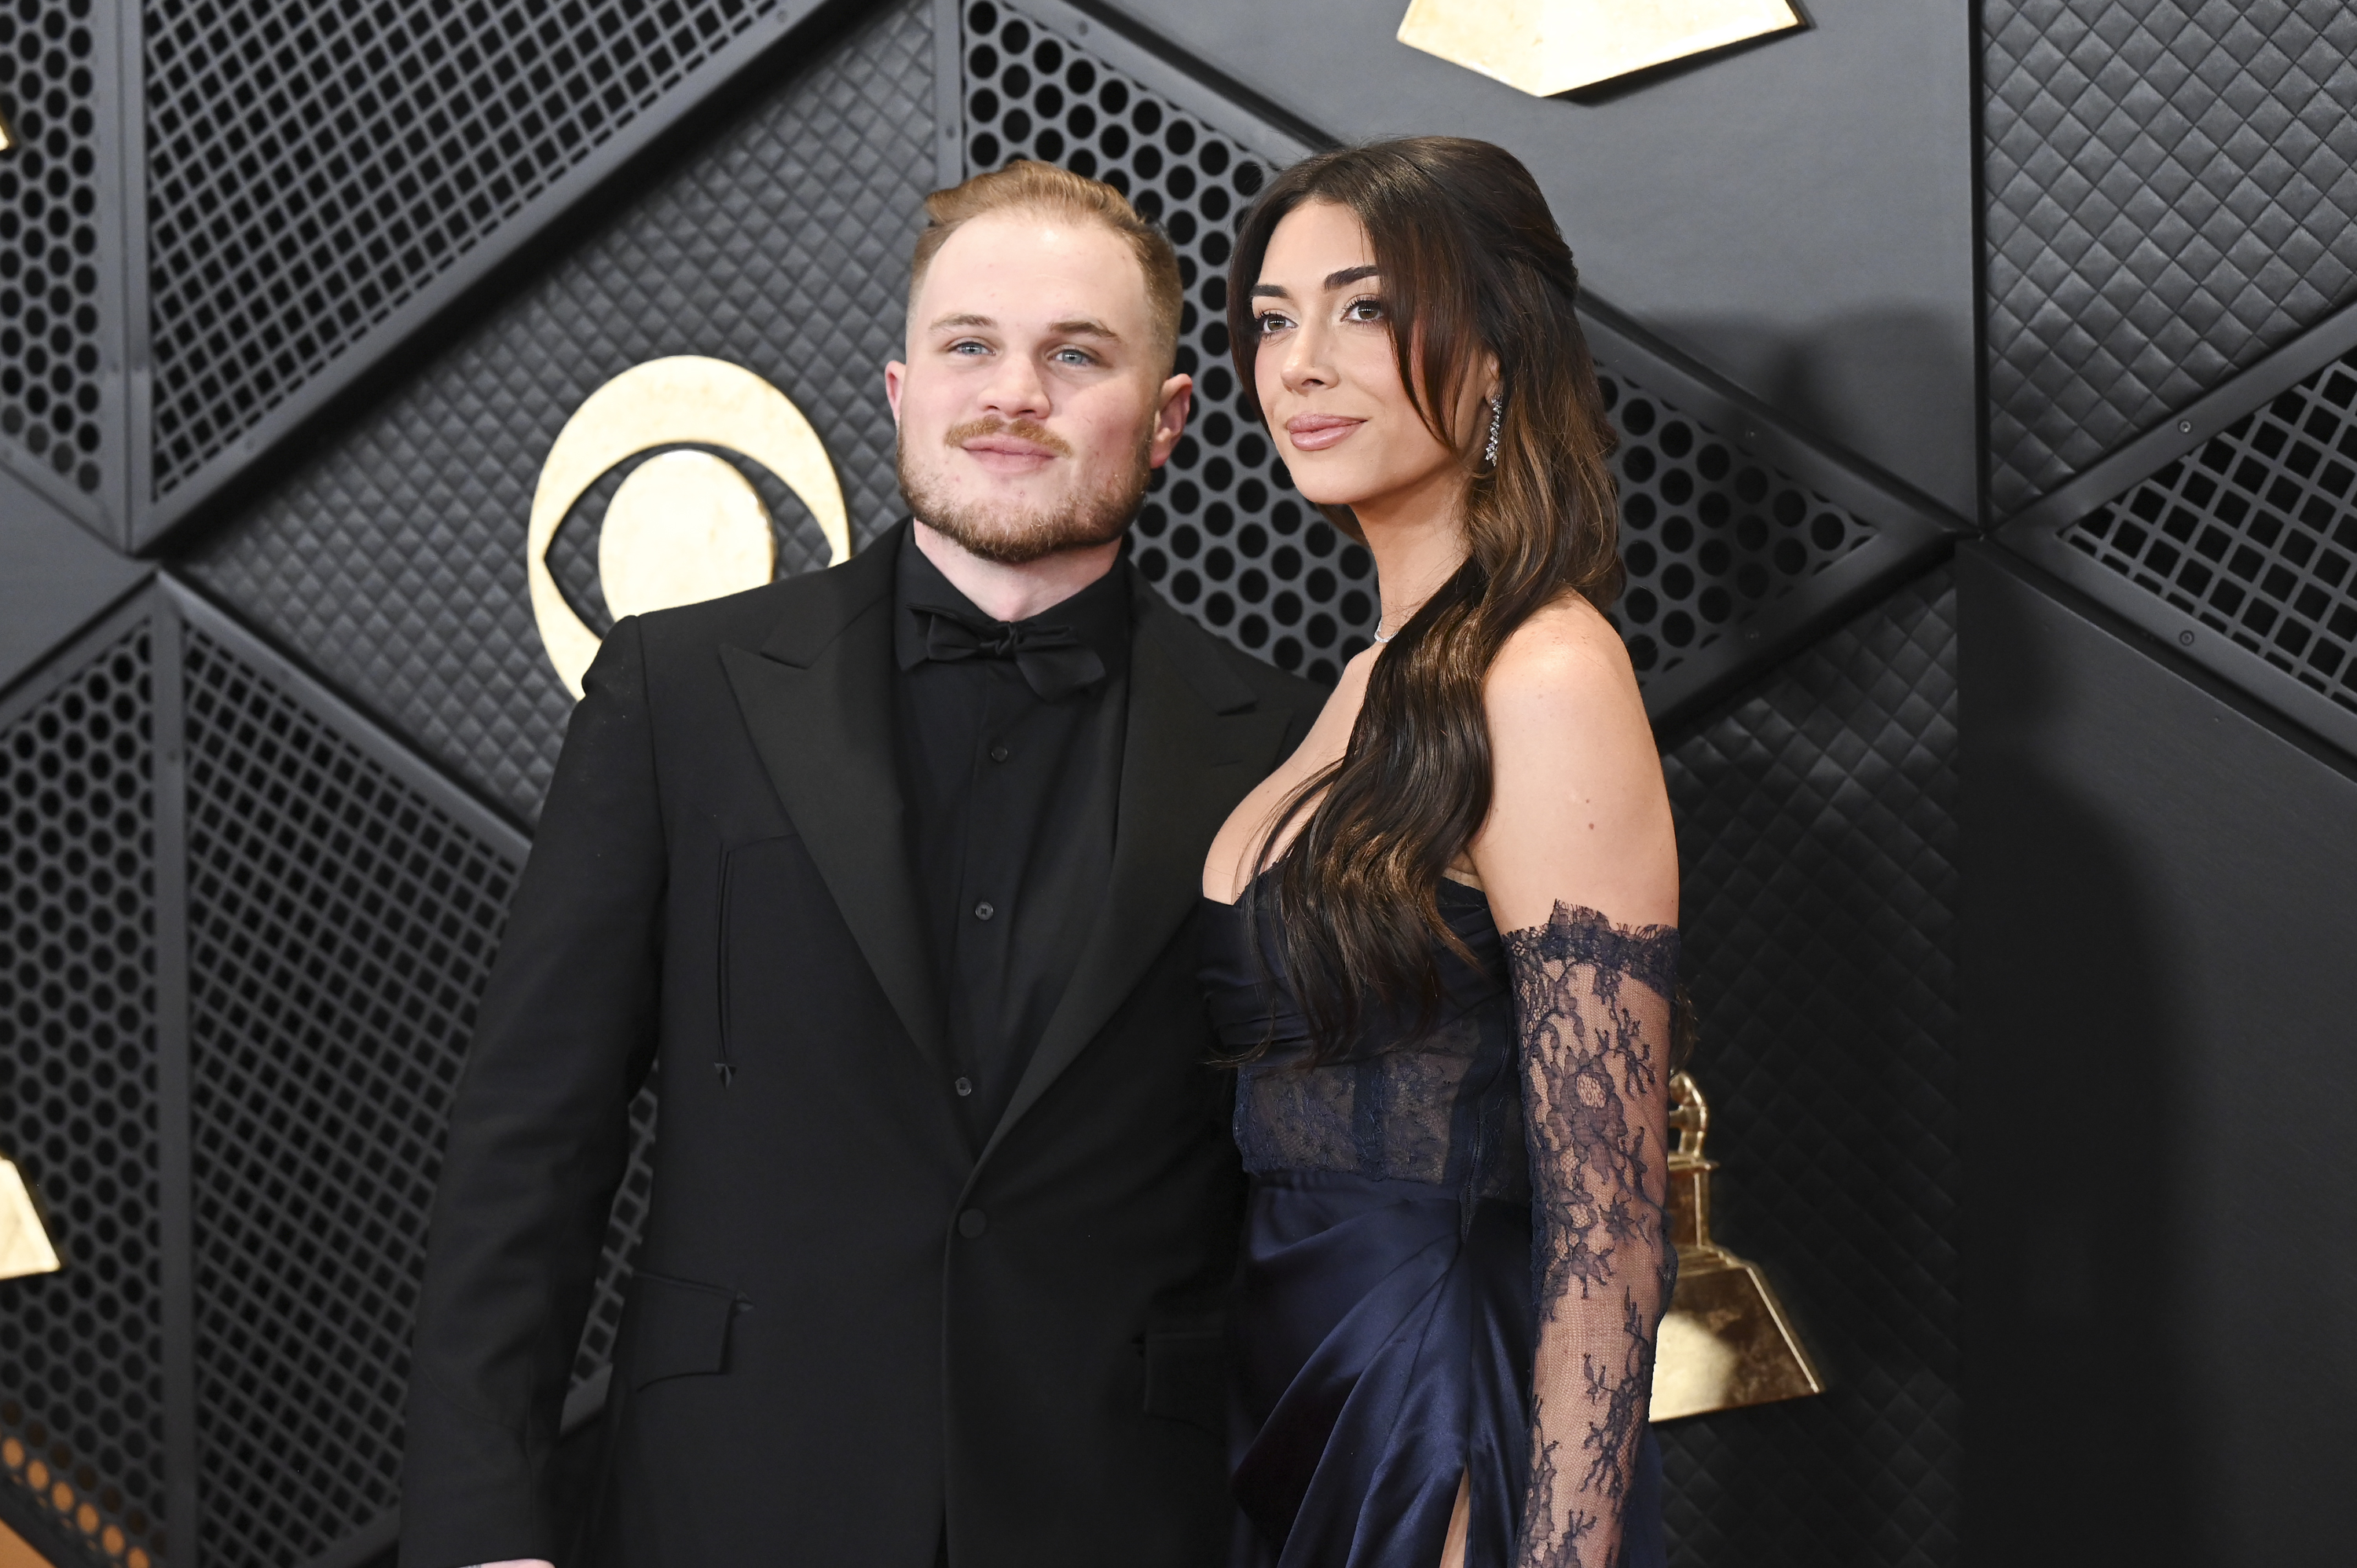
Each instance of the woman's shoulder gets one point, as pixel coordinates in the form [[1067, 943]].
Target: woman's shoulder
[[1565, 653]]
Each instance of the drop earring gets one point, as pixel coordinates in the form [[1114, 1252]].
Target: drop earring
[[1496, 420]]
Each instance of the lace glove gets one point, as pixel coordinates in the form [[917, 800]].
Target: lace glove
[[1593, 1003]]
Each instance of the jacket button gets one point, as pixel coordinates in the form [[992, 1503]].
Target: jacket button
[[998, 753], [972, 1224], [965, 1087], [984, 911]]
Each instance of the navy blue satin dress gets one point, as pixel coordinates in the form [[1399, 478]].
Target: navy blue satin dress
[[1388, 1317]]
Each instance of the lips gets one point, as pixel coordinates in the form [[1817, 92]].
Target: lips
[[1316, 432]]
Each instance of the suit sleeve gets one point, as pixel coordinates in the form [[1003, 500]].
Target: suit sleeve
[[539, 1137]]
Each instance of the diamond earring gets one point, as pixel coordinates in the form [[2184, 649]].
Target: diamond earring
[[1496, 420]]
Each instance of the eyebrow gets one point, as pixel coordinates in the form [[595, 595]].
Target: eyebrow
[[1333, 280], [1078, 327]]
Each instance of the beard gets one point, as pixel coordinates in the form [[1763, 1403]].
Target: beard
[[1013, 534]]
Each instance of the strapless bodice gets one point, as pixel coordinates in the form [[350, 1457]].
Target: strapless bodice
[[1444, 1106]]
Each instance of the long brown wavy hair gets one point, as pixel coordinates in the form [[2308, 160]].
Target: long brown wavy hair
[[1470, 261]]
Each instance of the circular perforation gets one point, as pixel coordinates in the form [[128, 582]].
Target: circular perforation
[[82, 1406], [48, 239]]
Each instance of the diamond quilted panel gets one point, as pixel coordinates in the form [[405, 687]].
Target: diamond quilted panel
[[395, 560], [1816, 824], [312, 165], [2169, 189]]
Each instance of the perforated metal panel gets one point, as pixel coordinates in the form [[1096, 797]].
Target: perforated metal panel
[[340, 929], [313, 164], [394, 560], [2170, 187], [51, 399], [342, 923], [82, 1400], [2255, 533], [1710, 533], [1816, 823]]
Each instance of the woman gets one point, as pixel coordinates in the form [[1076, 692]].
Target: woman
[[1453, 1023]]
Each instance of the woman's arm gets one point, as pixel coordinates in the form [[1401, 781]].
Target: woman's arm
[[1580, 863]]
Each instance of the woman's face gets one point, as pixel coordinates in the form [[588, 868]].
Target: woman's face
[[1330, 381]]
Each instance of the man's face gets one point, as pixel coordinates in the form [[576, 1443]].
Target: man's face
[[1033, 404]]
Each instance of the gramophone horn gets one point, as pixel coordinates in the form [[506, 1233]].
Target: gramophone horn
[[1726, 1342]]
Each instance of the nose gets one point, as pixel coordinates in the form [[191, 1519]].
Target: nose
[[1307, 364], [1016, 389]]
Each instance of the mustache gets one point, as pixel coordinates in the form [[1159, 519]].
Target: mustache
[[1021, 429]]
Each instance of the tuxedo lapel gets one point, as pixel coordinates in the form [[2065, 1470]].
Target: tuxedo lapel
[[817, 699], [1193, 747]]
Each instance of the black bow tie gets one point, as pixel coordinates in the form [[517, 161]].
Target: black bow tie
[[1051, 658]]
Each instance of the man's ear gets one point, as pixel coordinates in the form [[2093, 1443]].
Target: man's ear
[[895, 378], [1170, 419]]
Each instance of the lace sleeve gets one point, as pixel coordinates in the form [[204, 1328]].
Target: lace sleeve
[[1593, 1003]]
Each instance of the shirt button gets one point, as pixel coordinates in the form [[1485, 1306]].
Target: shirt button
[[965, 1087], [984, 911], [971, 1224], [999, 753]]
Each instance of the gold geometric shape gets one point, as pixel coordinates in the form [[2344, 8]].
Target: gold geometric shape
[[683, 527], [1726, 1342], [1547, 47], [23, 1243], [682, 400], [16, 1551]]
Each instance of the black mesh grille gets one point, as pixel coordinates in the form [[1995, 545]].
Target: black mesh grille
[[1818, 825], [81, 1402], [2255, 534], [341, 928], [2170, 187], [49, 391], [394, 561], [1710, 533], [314, 163]]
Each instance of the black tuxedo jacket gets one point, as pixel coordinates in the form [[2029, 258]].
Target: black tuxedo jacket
[[847, 1324]]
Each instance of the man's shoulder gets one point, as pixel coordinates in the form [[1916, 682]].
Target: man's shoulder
[[792, 617]]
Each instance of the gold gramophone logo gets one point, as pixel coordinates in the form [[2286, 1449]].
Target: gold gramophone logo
[[685, 525], [1547, 47]]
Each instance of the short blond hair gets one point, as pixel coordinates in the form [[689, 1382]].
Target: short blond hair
[[1028, 186]]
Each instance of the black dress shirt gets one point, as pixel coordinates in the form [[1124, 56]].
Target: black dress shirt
[[1011, 800]]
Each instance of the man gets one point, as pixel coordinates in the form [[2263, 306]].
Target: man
[[892, 870]]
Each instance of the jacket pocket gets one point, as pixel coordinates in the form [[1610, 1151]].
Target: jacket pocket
[[1186, 1377], [677, 1328]]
